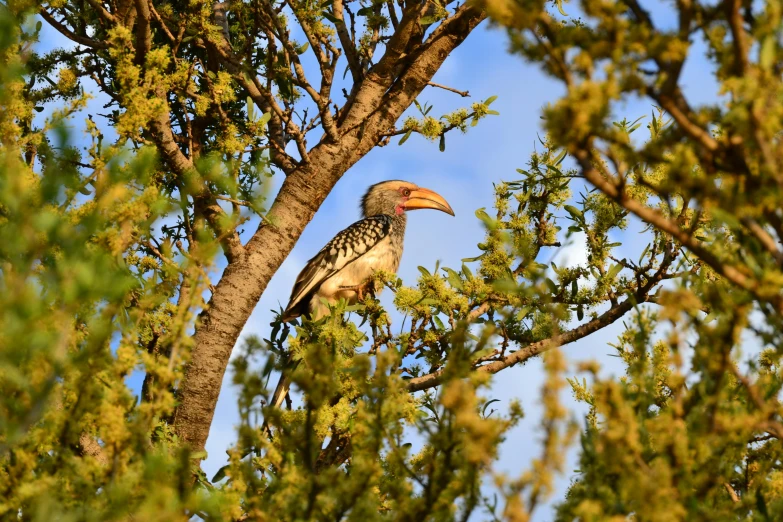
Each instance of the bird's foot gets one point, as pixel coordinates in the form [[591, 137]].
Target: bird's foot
[[360, 289]]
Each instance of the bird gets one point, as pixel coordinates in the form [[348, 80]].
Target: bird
[[343, 269]]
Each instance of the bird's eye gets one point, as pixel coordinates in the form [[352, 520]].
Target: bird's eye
[[405, 191]]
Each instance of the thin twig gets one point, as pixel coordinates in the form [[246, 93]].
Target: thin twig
[[464, 94]]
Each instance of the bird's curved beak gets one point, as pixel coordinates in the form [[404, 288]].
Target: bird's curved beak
[[426, 198]]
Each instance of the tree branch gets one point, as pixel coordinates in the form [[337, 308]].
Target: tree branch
[[82, 40], [434, 379], [143, 33], [654, 217], [464, 94], [349, 48], [262, 97]]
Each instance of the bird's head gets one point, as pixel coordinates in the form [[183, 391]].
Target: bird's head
[[396, 197]]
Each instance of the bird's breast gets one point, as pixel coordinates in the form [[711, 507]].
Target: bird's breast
[[385, 255]]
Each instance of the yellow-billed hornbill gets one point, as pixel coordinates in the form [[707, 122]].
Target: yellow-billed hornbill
[[344, 267]]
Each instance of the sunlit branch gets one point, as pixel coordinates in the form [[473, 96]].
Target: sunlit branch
[[348, 45], [588, 163], [83, 40], [464, 94]]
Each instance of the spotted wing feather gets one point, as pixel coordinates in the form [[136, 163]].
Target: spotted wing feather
[[345, 248]]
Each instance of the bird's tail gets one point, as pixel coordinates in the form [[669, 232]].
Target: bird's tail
[[283, 385]]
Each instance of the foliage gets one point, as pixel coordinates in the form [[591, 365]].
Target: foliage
[[80, 305], [518, 308], [230, 94], [693, 429], [106, 251]]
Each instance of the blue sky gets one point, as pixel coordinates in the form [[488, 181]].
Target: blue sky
[[463, 174]]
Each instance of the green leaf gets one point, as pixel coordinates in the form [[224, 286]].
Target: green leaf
[[574, 288], [761, 505], [471, 259], [486, 405], [489, 100], [442, 145], [522, 313], [555, 170], [644, 253], [405, 137], [221, 473], [766, 54], [428, 20], [466, 271], [483, 216], [264, 119], [505, 285], [424, 271], [725, 217], [575, 212], [285, 87], [559, 4], [329, 16], [438, 322], [493, 113], [580, 312], [201, 455], [453, 278], [303, 48], [612, 273], [552, 285], [250, 108]]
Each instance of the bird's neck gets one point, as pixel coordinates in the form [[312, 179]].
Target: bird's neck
[[398, 227]]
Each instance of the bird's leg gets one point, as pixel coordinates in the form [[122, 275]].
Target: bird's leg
[[361, 288]]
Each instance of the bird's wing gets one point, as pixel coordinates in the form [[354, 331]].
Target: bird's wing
[[345, 248]]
